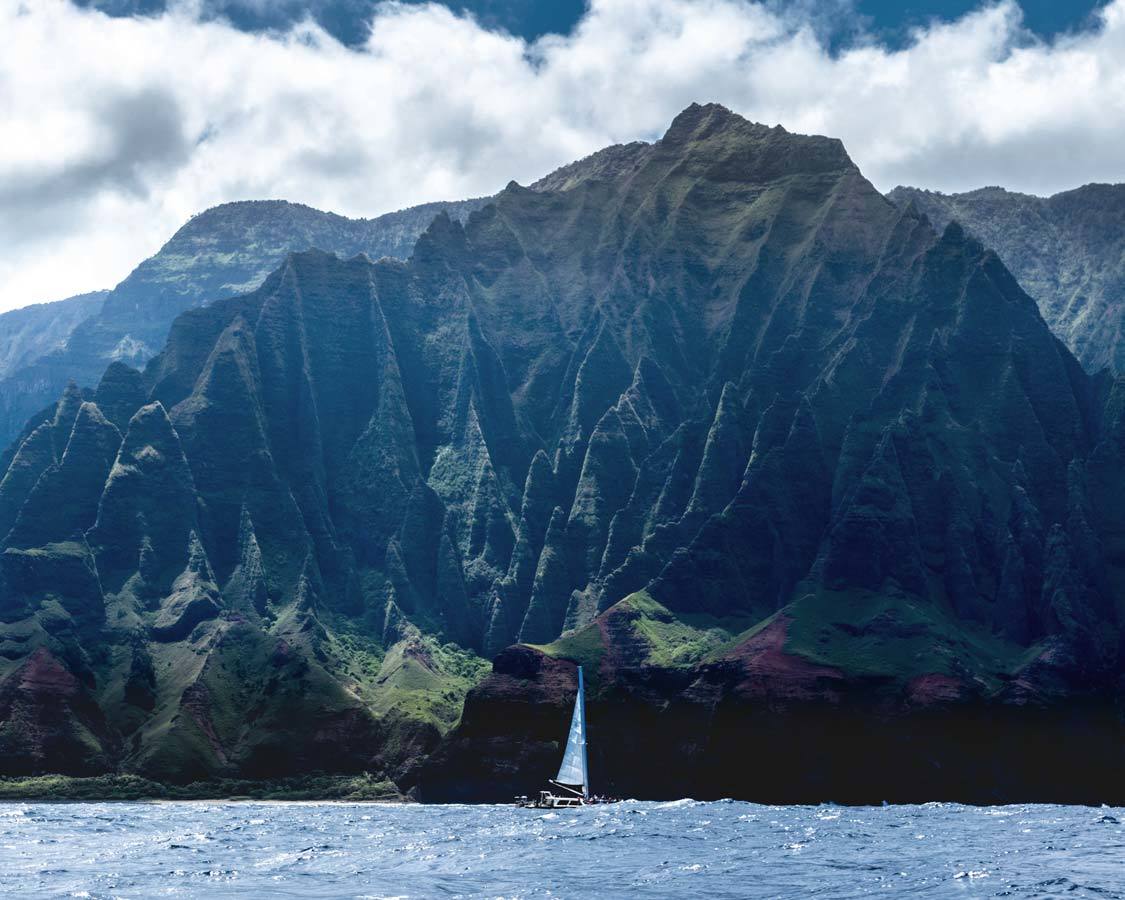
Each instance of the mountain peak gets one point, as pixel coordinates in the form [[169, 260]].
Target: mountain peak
[[704, 115], [711, 132], [721, 132]]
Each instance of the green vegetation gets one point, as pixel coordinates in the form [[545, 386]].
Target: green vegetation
[[425, 680], [586, 647], [684, 639], [224, 251], [865, 634], [1067, 251], [646, 633], [133, 787], [282, 549], [358, 660]]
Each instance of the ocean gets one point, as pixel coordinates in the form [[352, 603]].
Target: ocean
[[632, 849]]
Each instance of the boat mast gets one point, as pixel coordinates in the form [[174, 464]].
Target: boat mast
[[582, 714]]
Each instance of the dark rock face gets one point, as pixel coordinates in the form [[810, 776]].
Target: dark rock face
[[1067, 251], [224, 251], [762, 724], [754, 438], [530, 693], [49, 721]]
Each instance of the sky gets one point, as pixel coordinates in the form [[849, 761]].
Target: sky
[[349, 20], [121, 118]]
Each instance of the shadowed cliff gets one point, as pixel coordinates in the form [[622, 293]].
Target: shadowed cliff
[[710, 415], [1067, 251], [223, 251]]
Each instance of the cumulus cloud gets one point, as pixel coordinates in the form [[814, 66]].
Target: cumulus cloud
[[115, 130]]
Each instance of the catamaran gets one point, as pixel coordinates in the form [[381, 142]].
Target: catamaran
[[573, 779]]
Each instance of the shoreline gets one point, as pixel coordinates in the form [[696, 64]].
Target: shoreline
[[136, 789], [327, 789]]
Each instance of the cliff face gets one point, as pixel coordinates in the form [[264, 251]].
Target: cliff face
[[859, 703], [224, 251], [33, 331], [711, 416], [1067, 251]]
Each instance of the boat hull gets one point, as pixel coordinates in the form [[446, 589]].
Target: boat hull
[[547, 800]]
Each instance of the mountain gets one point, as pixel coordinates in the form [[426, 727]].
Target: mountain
[[33, 331], [224, 251], [800, 481], [1067, 251]]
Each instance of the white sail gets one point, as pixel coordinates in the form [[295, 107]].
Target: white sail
[[573, 769]]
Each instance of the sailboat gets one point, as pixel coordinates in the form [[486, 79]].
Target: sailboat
[[573, 781]]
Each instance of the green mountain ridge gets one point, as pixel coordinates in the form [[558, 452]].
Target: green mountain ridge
[[226, 250], [28, 333], [710, 416], [1067, 251]]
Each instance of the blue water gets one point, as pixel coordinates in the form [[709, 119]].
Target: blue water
[[677, 849]]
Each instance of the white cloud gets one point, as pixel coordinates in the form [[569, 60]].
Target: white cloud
[[114, 131]]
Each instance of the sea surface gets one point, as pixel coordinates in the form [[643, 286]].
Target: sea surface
[[680, 849]]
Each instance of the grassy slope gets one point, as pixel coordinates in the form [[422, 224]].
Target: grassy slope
[[864, 635], [898, 638], [425, 680], [132, 787], [254, 695], [416, 682], [655, 636]]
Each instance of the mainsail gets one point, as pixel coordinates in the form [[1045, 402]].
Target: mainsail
[[573, 769]]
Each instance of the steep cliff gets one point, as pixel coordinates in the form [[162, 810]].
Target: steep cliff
[[224, 251], [1066, 251], [33, 331], [711, 416]]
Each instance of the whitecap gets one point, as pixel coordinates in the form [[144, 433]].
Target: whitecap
[[673, 804]]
